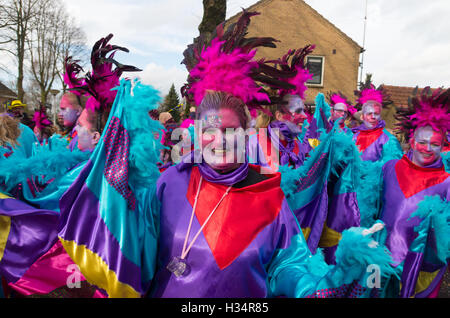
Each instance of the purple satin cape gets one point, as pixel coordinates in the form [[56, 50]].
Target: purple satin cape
[[205, 279]]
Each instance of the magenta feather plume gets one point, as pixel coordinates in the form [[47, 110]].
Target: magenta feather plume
[[71, 75], [40, 118], [337, 98], [299, 81], [430, 108], [370, 94], [105, 74], [294, 61], [432, 113], [226, 72]]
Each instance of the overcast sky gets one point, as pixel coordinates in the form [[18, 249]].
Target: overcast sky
[[407, 41]]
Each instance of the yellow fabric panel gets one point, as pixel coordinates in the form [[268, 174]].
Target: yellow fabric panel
[[424, 280], [329, 237], [313, 142], [5, 227], [97, 272], [4, 196], [306, 232]]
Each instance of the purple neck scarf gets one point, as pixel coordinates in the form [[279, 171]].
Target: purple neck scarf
[[211, 175], [286, 153], [381, 124], [437, 164]]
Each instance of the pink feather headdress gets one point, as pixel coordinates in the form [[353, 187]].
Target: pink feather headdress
[[227, 64], [40, 118], [227, 72], [336, 98], [431, 108], [368, 92]]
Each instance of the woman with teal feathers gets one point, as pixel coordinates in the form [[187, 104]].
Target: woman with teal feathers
[[413, 199]]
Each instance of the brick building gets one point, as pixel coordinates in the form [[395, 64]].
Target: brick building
[[6, 95], [335, 60]]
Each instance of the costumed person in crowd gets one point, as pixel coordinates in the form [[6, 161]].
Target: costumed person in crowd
[[184, 138], [23, 147], [342, 108], [447, 144], [16, 109], [9, 135], [166, 119], [371, 137], [325, 199], [34, 262], [285, 141], [72, 102], [43, 126], [414, 203]]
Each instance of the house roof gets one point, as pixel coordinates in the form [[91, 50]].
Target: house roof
[[6, 92], [400, 94], [262, 2]]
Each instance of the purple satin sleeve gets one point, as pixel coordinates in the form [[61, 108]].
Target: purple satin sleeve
[[32, 233]]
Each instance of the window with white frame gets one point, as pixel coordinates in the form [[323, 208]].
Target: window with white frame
[[315, 65]]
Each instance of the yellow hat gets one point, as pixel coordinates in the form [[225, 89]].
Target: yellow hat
[[16, 103]]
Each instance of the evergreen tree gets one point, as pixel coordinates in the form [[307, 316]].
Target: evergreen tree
[[171, 104]]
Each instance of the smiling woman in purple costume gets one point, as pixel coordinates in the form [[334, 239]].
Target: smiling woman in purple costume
[[415, 206]]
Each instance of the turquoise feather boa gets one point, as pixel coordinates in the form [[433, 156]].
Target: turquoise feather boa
[[145, 133], [50, 161], [435, 216]]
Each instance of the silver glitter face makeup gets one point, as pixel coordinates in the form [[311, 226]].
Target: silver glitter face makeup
[[427, 145], [371, 114], [339, 110], [295, 105]]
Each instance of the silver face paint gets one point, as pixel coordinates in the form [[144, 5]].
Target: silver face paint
[[69, 115], [295, 105], [370, 115], [85, 138], [339, 110], [426, 149]]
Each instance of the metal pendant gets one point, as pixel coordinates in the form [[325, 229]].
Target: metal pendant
[[177, 266]]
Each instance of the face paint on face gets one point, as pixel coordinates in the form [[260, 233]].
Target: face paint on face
[[371, 114], [221, 141], [86, 140], [296, 110], [339, 111], [37, 133], [426, 145], [68, 113]]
